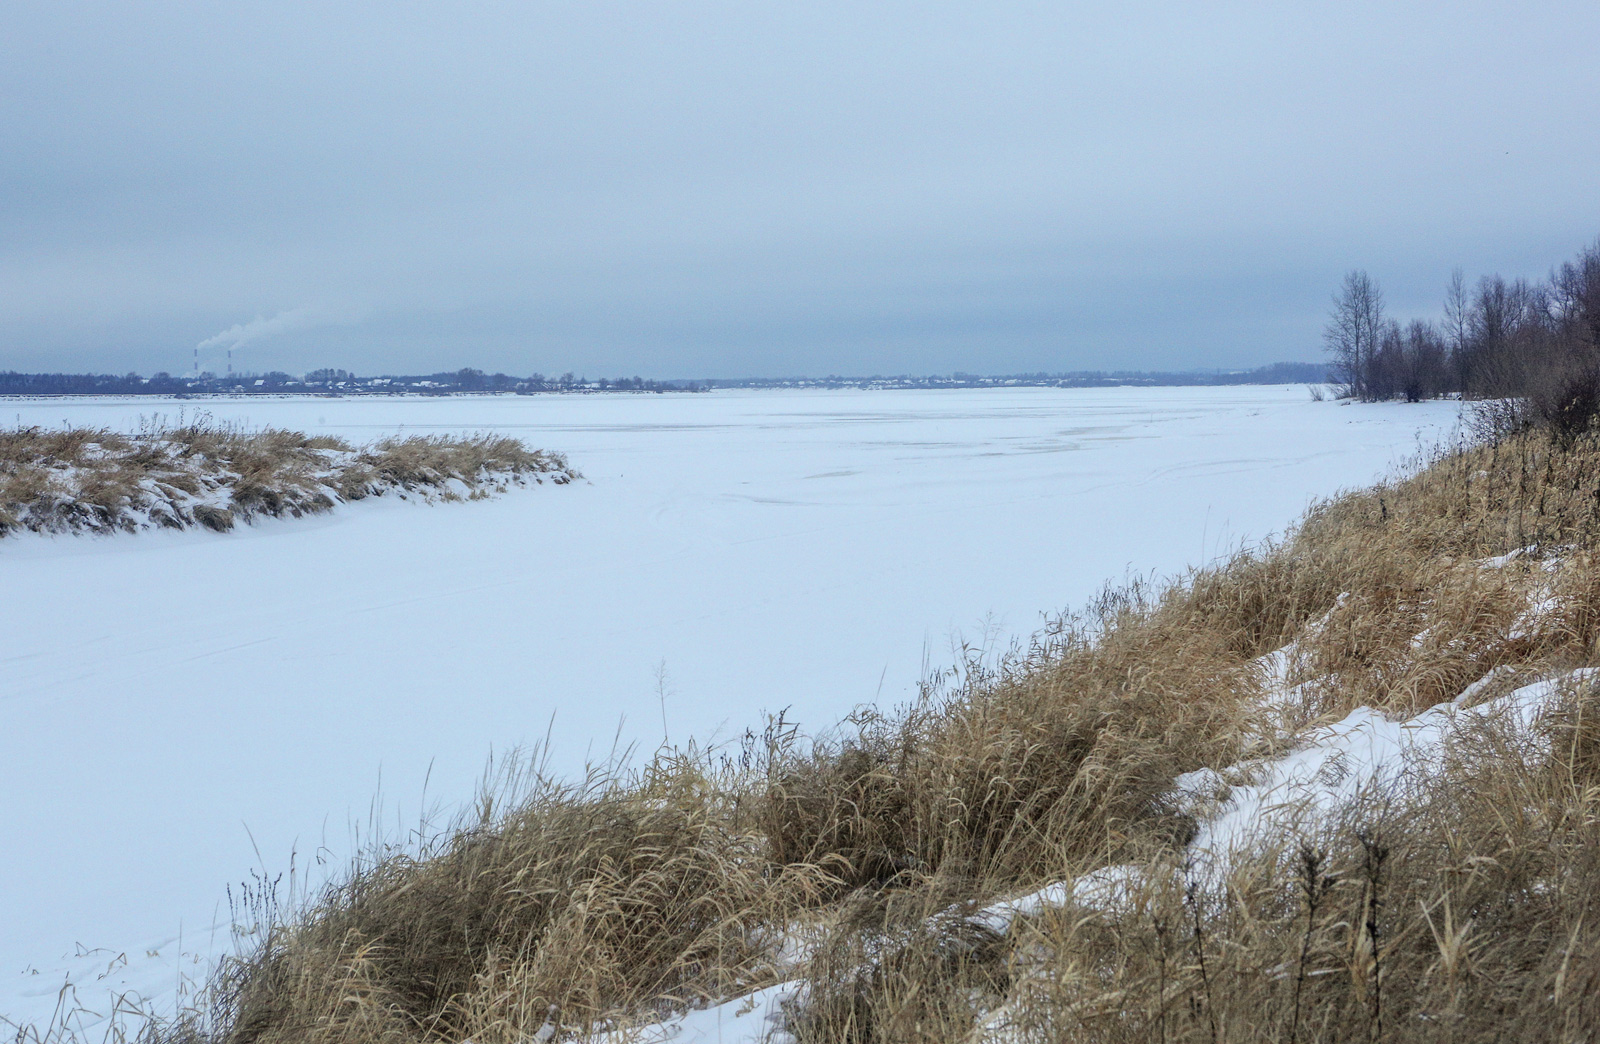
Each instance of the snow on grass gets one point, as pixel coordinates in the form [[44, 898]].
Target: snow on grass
[[755, 1018], [1294, 797], [1272, 804], [1365, 754], [87, 480]]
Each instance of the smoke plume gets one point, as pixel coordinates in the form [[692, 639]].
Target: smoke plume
[[243, 333]]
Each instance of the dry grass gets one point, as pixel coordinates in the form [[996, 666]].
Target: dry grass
[[77, 480], [1466, 913], [1407, 612], [1069, 749], [1383, 599], [1462, 912], [583, 905]]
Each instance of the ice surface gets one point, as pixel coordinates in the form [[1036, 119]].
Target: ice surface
[[171, 704]]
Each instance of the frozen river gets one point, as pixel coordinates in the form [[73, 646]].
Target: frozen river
[[171, 704]]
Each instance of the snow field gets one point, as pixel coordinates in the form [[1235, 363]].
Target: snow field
[[182, 708]]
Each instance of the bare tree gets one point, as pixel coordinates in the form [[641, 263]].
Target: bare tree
[[1426, 362], [1457, 310], [1575, 292], [1507, 336], [1353, 331], [1537, 343], [1457, 324]]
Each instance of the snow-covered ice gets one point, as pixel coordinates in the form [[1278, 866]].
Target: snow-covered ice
[[173, 704]]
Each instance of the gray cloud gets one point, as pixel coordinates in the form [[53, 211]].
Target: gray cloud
[[718, 188]]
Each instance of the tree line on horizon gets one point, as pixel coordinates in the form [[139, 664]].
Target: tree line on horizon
[[1538, 342], [324, 381], [329, 381]]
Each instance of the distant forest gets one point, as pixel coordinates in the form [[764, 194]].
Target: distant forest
[[1276, 373], [1536, 342], [342, 382]]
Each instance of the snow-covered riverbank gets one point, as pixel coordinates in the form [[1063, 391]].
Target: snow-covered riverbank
[[175, 702]]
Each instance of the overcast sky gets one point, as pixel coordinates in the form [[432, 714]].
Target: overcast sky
[[719, 189]]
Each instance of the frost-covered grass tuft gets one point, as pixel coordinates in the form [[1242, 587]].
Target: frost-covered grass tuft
[[84, 480]]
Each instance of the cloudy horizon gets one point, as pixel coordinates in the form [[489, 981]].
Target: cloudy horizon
[[721, 190]]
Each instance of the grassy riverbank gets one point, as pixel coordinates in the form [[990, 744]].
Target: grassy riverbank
[[1341, 787]]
